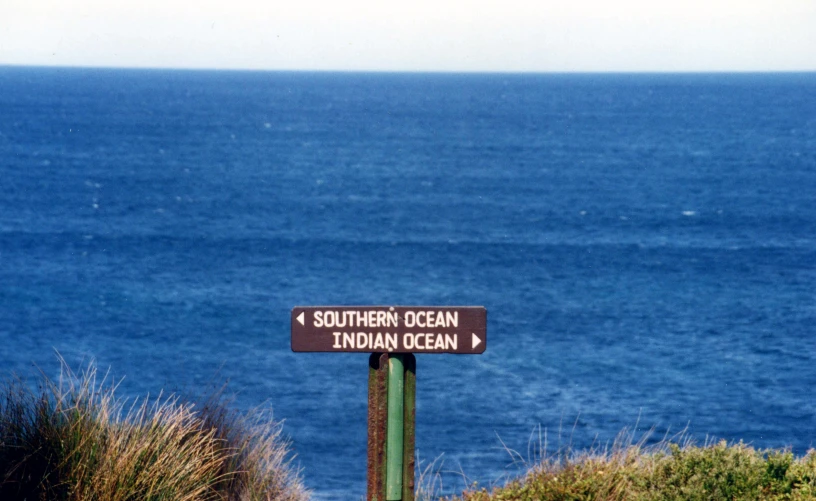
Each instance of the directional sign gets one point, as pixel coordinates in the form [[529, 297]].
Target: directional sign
[[390, 329]]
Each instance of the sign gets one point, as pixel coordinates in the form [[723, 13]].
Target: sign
[[390, 329]]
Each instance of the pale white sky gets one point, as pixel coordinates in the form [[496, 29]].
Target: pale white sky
[[427, 35]]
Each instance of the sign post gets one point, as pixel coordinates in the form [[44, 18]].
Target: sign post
[[392, 334], [395, 428]]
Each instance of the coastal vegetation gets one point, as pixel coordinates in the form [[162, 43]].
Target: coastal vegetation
[[74, 440], [667, 471]]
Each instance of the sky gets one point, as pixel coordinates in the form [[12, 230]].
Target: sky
[[416, 35]]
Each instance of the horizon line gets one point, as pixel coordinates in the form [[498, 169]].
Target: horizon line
[[415, 71]]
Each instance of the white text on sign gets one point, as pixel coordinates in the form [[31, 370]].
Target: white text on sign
[[374, 318], [391, 341]]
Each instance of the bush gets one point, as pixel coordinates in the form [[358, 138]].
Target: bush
[[74, 441], [665, 472]]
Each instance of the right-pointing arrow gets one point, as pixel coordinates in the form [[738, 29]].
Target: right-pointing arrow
[[476, 340]]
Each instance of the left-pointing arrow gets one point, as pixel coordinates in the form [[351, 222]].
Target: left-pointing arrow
[[302, 318]]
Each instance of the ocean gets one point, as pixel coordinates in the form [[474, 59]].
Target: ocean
[[645, 246]]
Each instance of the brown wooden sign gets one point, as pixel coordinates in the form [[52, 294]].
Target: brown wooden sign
[[390, 329]]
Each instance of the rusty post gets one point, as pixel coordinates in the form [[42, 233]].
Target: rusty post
[[377, 424], [409, 439]]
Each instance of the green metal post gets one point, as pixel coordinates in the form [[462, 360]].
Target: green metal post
[[395, 433]]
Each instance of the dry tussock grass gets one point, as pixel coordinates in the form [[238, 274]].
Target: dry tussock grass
[[73, 440]]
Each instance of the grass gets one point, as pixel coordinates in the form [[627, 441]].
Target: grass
[[74, 440], [667, 471]]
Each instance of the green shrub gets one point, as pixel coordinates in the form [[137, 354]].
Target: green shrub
[[665, 472]]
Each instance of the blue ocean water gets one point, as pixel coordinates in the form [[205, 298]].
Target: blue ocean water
[[645, 246]]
